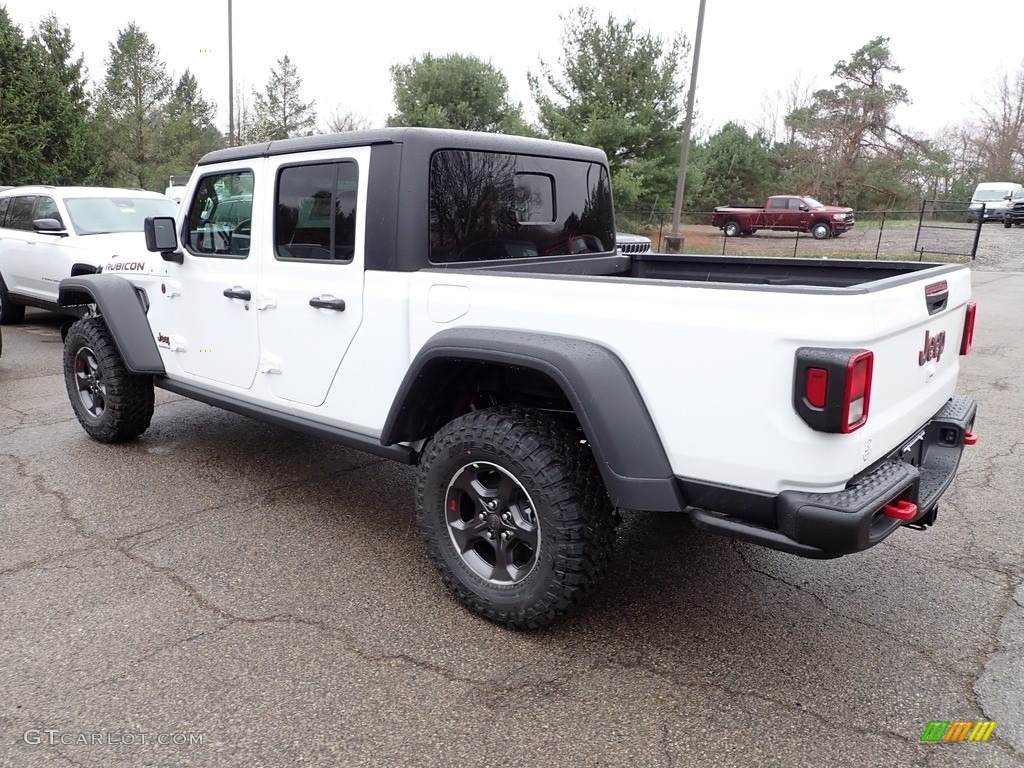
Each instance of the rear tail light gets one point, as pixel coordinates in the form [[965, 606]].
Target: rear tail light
[[857, 396], [832, 391], [968, 338]]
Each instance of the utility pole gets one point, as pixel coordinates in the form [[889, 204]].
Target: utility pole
[[674, 241], [230, 81]]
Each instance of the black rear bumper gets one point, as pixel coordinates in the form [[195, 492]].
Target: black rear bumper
[[871, 507]]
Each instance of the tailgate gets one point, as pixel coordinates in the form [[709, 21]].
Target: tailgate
[[919, 329]]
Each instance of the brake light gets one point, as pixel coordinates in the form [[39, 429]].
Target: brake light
[[968, 338], [816, 387], [857, 395]]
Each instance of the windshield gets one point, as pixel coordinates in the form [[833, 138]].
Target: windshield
[[100, 215], [990, 195], [812, 203]]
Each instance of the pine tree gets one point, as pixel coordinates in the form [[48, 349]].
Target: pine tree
[[188, 130], [279, 111], [131, 110]]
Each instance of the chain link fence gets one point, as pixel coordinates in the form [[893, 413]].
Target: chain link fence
[[939, 229]]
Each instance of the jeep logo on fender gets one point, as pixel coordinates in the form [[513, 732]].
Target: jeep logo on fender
[[933, 346]]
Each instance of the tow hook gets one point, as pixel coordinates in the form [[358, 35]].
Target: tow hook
[[900, 510], [970, 438]]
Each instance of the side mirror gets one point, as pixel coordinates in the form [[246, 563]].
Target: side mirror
[[49, 227], [804, 208], [162, 237]]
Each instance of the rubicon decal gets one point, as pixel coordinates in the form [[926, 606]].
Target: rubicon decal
[[126, 266], [933, 346]]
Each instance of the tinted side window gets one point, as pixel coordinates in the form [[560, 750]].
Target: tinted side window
[[46, 208], [218, 217], [316, 212], [5, 204], [778, 202], [486, 206], [21, 212]]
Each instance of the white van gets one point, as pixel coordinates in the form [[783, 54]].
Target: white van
[[176, 189], [994, 197]]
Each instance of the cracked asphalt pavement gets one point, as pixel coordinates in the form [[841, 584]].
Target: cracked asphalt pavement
[[225, 593]]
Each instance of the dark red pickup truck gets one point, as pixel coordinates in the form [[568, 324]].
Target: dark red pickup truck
[[794, 213]]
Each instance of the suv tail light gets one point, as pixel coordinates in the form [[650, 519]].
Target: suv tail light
[[968, 338], [832, 388]]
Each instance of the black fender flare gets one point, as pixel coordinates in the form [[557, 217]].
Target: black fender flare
[[599, 387], [82, 268], [124, 314]]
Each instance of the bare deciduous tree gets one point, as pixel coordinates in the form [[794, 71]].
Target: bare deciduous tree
[[243, 117], [345, 120], [999, 130], [779, 103]]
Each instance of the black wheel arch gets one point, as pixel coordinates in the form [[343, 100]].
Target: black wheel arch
[[82, 268], [593, 381], [124, 314]]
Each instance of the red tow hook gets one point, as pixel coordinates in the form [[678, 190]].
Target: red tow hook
[[900, 510], [970, 438]]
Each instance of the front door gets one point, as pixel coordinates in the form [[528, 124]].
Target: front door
[[211, 316], [311, 284]]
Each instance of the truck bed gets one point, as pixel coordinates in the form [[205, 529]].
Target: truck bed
[[721, 321], [812, 274]]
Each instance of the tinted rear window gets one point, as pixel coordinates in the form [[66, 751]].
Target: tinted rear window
[[21, 212], [486, 206]]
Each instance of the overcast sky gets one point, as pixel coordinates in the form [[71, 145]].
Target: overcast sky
[[751, 48]]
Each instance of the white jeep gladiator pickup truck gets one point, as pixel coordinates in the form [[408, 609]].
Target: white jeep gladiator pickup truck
[[456, 301]]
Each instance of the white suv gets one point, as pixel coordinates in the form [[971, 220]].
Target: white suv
[[49, 233]]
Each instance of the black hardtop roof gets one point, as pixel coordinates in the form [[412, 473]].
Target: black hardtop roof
[[427, 138]]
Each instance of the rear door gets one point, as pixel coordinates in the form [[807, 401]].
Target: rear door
[[775, 213], [18, 247], [311, 283]]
